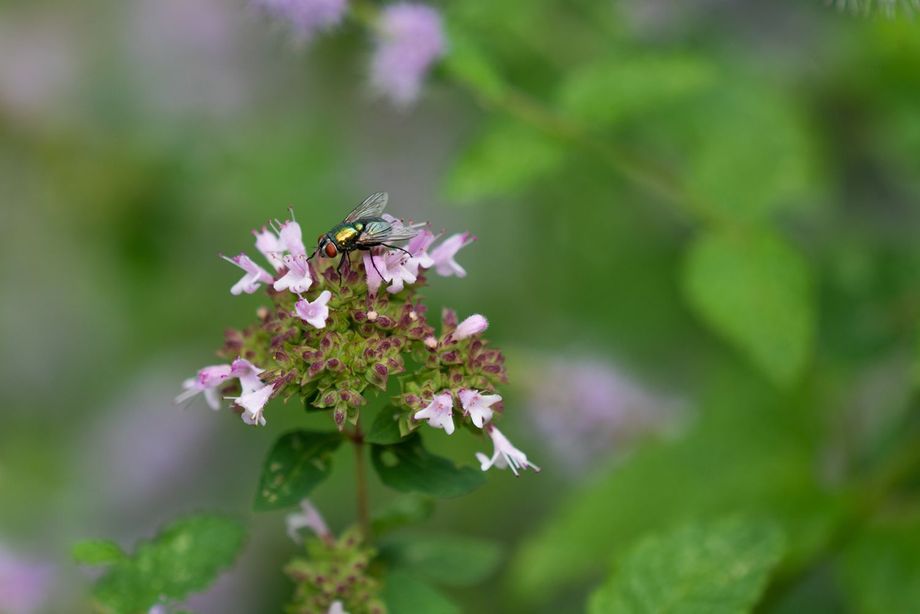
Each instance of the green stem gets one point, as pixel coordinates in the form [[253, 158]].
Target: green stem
[[364, 519]]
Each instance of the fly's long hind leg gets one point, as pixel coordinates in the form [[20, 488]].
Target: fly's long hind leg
[[374, 262]]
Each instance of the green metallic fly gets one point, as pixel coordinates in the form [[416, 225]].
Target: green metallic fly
[[363, 229]]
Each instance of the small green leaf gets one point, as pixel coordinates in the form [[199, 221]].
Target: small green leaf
[[717, 568], [611, 91], [445, 559], [184, 558], [755, 290], [385, 428], [296, 464], [504, 160], [409, 467], [404, 593], [406, 510], [97, 552]]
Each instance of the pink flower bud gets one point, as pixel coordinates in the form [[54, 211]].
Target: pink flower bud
[[473, 325]]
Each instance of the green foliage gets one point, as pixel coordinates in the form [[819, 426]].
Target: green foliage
[[468, 64], [97, 552], [182, 559], [295, 465], [755, 291], [443, 559], [405, 593], [880, 570], [407, 510], [506, 158], [409, 467], [385, 428], [608, 92], [707, 568]]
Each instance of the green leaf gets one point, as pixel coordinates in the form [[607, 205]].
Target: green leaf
[[407, 510], [468, 64], [756, 292], [714, 568], [880, 569], [404, 593], [296, 464], [97, 552], [445, 559], [611, 91], [184, 558], [409, 467], [385, 428], [504, 160]]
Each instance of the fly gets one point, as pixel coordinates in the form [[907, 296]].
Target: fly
[[363, 229]]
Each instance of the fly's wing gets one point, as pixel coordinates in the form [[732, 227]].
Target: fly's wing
[[372, 206], [383, 231]]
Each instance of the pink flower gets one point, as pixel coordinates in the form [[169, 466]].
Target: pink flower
[[504, 455], [306, 18], [371, 268], [439, 413], [315, 313], [254, 277], [473, 325], [255, 394], [207, 381], [24, 584], [336, 608], [443, 254], [297, 279], [308, 518], [418, 248], [478, 406], [270, 246], [398, 272], [292, 238], [411, 38]]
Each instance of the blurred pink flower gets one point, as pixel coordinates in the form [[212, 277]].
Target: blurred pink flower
[[207, 381], [24, 584], [315, 313], [504, 455], [410, 39], [439, 413], [254, 277], [305, 18], [442, 256], [478, 406], [473, 325], [308, 518]]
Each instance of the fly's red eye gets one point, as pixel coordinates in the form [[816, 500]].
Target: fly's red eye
[[330, 250]]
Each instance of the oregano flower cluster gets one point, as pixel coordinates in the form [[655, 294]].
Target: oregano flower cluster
[[332, 332]]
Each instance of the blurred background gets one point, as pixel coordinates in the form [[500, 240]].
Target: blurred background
[[697, 243]]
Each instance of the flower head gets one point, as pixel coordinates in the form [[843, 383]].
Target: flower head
[[504, 455], [439, 412], [442, 256], [411, 38], [254, 277], [473, 325], [297, 279], [306, 18], [314, 313], [478, 406]]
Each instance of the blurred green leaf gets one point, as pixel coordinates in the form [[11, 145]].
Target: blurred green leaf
[[753, 154], [296, 464], [880, 568], [385, 428], [713, 568], [404, 593], [444, 559], [409, 467], [97, 552], [755, 291], [610, 91], [749, 452], [467, 63], [407, 510], [505, 159], [184, 558]]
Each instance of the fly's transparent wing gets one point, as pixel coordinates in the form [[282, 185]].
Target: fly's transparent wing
[[378, 232], [372, 206]]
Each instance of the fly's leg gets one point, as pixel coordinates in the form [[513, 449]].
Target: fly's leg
[[374, 262]]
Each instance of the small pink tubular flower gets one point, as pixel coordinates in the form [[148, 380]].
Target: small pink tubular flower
[[504, 455], [306, 18], [255, 393], [411, 38], [297, 279], [473, 325], [478, 406], [292, 238], [308, 518], [270, 246], [315, 313], [254, 277], [418, 248], [398, 271], [439, 413], [443, 255], [207, 381]]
